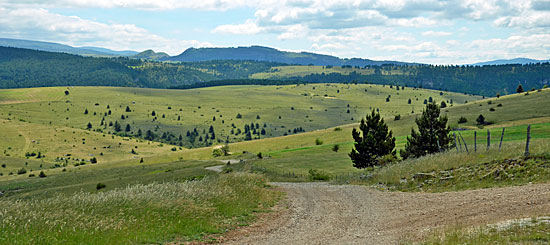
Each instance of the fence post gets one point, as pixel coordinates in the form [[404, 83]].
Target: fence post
[[463, 141], [475, 141], [488, 139], [528, 139], [501, 137], [456, 142]]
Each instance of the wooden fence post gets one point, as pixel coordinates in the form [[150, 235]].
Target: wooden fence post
[[463, 141], [456, 143], [528, 139], [475, 141], [488, 139], [501, 138]]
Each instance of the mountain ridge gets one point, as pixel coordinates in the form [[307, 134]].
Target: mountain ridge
[[62, 48], [262, 53], [518, 60]]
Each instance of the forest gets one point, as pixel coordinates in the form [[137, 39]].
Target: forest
[[21, 68]]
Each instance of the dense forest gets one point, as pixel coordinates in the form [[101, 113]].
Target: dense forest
[[483, 80], [30, 68], [21, 68]]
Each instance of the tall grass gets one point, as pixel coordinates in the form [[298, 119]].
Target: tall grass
[[152, 213]]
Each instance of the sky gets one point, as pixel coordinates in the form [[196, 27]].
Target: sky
[[426, 31]]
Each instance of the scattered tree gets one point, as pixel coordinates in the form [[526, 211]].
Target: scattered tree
[[480, 120], [376, 141], [519, 89], [433, 134]]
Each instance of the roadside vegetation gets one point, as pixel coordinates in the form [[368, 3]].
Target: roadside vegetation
[[150, 213]]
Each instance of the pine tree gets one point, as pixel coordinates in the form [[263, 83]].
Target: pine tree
[[519, 89], [128, 128], [117, 126], [432, 136], [89, 126], [86, 112], [128, 109], [376, 141]]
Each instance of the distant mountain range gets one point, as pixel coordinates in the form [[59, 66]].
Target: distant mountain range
[[61, 48], [256, 53], [522, 61], [151, 55], [260, 53]]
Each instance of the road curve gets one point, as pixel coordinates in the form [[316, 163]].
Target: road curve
[[320, 213]]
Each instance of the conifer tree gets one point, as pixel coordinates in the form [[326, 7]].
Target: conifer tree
[[432, 136], [376, 141]]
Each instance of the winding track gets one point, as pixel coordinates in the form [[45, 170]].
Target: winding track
[[319, 213]]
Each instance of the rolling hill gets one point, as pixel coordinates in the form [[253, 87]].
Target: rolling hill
[[61, 48], [522, 61], [260, 53]]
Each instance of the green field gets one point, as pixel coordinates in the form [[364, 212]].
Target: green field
[[46, 121], [280, 72]]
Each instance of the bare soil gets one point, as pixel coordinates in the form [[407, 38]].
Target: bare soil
[[320, 213]]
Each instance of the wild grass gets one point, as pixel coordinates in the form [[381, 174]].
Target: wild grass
[[152, 213], [454, 170], [526, 231]]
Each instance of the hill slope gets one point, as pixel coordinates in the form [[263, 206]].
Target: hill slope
[[260, 53], [61, 48], [522, 61]]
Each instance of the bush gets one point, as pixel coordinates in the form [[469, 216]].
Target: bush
[[22, 171], [93, 160], [228, 170], [217, 152], [387, 159], [318, 141], [337, 129], [462, 120], [315, 174], [100, 186], [335, 148], [42, 174], [260, 155], [397, 117]]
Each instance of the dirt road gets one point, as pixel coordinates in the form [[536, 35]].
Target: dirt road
[[320, 213]]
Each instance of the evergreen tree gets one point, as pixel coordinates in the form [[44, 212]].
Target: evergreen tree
[[432, 136], [117, 127], [376, 141], [128, 109], [519, 89], [128, 128], [86, 112], [89, 126], [480, 120], [139, 133], [443, 104]]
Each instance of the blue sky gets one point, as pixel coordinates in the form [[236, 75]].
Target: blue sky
[[427, 31]]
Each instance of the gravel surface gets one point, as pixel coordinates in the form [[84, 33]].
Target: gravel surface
[[319, 213]]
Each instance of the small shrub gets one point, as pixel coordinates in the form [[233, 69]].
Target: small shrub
[[100, 186], [335, 148], [217, 152], [3, 165], [227, 170], [260, 155], [93, 160], [492, 109], [387, 159], [499, 105], [21, 171], [337, 129], [31, 175], [462, 120], [42, 174], [397, 117], [174, 149], [315, 174], [318, 141]]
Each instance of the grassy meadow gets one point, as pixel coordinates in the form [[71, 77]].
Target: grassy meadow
[[280, 72], [46, 121], [140, 213]]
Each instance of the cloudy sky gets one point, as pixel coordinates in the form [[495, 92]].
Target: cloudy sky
[[428, 31]]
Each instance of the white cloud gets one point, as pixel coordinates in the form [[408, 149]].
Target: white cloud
[[40, 24], [436, 33], [247, 28]]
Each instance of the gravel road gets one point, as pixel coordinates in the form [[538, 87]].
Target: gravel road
[[319, 213]]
